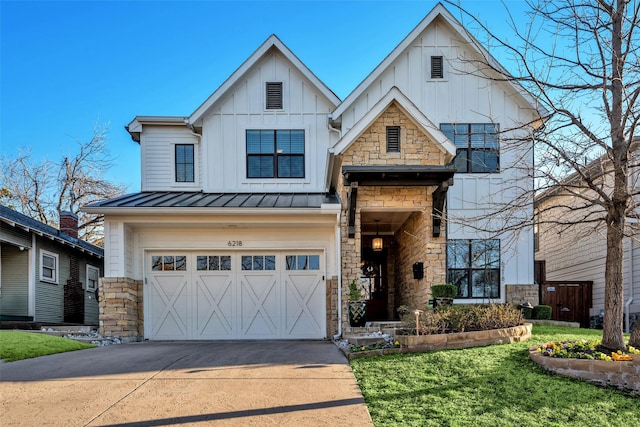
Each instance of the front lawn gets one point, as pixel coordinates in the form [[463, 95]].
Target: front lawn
[[15, 345], [487, 386]]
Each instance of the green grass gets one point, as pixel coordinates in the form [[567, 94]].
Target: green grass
[[16, 345], [488, 386]]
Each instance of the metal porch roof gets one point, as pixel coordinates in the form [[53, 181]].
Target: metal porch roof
[[170, 199]]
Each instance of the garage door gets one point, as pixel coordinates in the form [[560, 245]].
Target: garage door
[[213, 296]]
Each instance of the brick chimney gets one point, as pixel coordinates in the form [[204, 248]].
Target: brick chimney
[[69, 223]]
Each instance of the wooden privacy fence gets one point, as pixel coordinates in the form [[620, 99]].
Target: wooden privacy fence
[[570, 301]]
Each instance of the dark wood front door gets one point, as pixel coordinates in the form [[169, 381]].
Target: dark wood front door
[[374, 272]]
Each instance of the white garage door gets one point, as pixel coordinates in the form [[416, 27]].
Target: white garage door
[[208, 296]]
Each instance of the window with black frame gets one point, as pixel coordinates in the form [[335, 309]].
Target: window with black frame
[[474, 267], [477, 146], [185, 164], [275, 153]]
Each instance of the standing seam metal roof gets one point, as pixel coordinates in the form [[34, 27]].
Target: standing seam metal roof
[[169, 199]]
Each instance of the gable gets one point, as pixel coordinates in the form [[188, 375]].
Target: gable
[[271, 48], [459, 96], [416, 147]]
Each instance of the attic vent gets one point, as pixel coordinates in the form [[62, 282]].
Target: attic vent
[[274, 96], [437, 71], [393, 139]]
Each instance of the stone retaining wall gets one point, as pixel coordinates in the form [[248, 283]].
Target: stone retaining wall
[[464, 339], [621, 375]]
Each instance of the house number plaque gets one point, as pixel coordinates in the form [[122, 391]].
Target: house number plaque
[[234, 243]]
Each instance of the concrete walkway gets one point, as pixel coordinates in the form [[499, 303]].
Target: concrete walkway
[[301, 383]]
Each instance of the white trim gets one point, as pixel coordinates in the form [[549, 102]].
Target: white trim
[[97, 270], [56, 268]]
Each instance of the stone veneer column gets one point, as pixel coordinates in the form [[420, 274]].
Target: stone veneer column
[[121, 308], [332, 306], [518, 294]]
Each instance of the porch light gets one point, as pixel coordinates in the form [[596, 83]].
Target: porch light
[[376, 243]]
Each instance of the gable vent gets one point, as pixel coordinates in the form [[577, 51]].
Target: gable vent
[[393, 139], [274, 96], [437, 70]]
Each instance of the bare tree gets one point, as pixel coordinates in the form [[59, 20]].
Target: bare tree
[[579, 59], [42, 189]]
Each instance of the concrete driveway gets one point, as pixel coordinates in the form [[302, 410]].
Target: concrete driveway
[[302, 383]]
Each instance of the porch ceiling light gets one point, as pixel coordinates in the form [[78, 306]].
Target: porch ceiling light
[[376, 243]]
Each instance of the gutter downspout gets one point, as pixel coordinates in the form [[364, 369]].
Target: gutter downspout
[[339, 268]]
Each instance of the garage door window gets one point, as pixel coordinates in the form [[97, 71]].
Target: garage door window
[[214, 263], [168, 263], [303, 262], [258, 262]]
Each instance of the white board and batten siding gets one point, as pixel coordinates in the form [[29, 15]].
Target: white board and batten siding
[[460, 97], [243, 108]]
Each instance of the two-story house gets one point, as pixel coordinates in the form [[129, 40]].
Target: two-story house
[[259, 208]]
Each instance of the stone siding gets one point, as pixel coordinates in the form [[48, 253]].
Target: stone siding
[[121, 308], [416, 244], [415, 149], [332, 306], [371, 147], [518, 294]]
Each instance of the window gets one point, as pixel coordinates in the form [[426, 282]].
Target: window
[[303, 262], [185, 170], [474, 267], [437, 67], [168, 263], [393, 139], [48, 267], [258, 262], [477, 146], [214, 263], [93, 273], [274, 96], [275, 153]]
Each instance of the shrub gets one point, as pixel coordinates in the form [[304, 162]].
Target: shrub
[[527, 313], [354, 292], [541, 312], [445, 290], [461, 318]]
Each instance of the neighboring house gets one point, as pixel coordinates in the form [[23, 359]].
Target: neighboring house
[[259, 208], [47, 275], [578, 252]]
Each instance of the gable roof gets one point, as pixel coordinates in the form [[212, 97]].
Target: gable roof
[[16, 219], [438, 11], [273, 42], [409, 108]]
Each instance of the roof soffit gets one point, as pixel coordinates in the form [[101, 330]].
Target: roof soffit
[[439, 11], [410, 110], [273, 42]]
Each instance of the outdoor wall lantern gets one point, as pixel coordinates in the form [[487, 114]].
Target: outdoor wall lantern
[[376, 243]]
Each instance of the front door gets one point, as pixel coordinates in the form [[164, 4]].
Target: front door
[[374, 275]]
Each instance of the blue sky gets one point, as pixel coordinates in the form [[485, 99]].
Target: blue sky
[[65, 66]]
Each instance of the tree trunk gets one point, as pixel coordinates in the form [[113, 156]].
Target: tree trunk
[[634, 340], [613, 332]]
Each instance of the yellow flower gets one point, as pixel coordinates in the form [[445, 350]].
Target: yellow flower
[[363, 348], [396, 342]]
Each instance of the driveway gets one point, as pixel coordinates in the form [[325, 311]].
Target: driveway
[[302, 383]]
